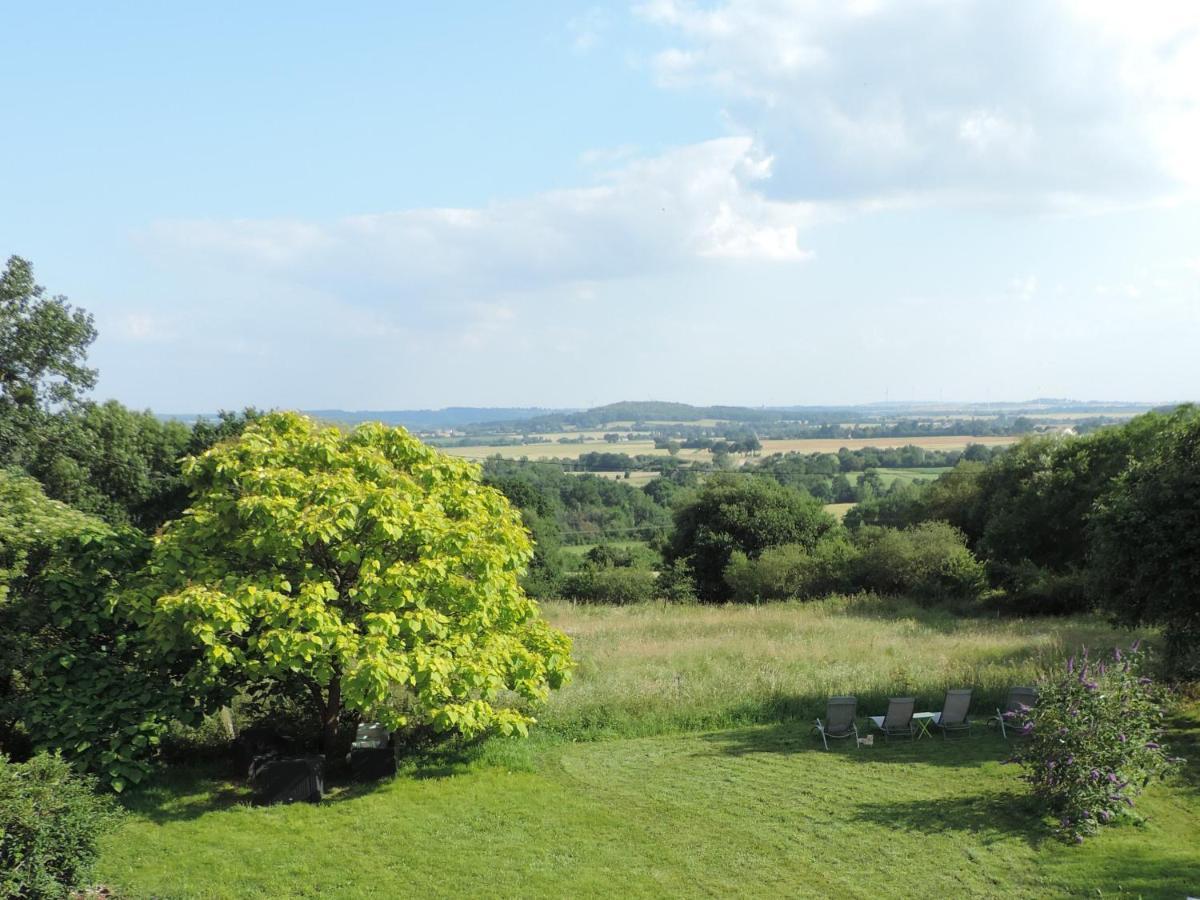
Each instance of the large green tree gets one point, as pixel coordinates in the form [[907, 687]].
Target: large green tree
[[31, 528], [378, 573], [122, 465], [741, 513], [43, 351], [77, 675], [43, 342], [1145, 532]]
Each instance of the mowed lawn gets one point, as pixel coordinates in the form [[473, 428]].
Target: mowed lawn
[[649, 778]]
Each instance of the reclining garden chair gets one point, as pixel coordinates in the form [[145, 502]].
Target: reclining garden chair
[[1018, 699], [953, 716], [898, 720], [839, 720]]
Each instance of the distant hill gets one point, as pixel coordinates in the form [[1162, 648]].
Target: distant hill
[[664, 411], [435, 419], [532, 419]]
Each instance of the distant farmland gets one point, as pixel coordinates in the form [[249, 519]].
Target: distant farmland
[[799, 445]]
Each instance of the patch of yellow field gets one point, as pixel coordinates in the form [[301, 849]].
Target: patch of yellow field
[[571, 451], [832, 445], [800, 445], [838, 510]]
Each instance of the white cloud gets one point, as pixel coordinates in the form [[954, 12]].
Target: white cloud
[[1023, 288], [587, 30], [1032, 100], [143, 327], [650, 216]]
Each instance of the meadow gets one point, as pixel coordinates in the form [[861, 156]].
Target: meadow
[[679, 762]]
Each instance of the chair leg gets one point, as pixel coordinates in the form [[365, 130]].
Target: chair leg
[[1003, 731], [857, 745]]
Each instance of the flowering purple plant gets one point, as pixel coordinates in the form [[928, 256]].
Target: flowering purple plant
[[1093, 740]]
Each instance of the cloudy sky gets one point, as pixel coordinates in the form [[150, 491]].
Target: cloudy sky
[[552, 203]]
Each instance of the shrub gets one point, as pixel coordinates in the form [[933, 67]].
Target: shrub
[[929, 561], [617, 585], [1035, 590], [675, 582], [1093, 741], [50, 820], [614, 555], [791, 571]]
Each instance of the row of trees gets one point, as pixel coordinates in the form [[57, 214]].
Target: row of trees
[[1110, 520]]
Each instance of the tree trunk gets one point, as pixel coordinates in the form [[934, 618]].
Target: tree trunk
[[330, 714]]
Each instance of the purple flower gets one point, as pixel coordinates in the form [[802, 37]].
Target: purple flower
[[1112, 778], [1117, 653], [1133, 648], [1071, 665], [1068, 760], [1079, 838], [1151, 745], [1105, 815], [1095, 775], [1122, 738], [1145, 680]]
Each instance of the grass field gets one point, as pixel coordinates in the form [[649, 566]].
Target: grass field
[[802, 445], [678, 763], [908, 476], [637, 477], [838, 510]]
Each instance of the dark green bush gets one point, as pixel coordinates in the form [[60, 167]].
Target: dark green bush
[[749, 515], [930, 561], [676, 583], [1034, 590], [792, 571], [50, 820], [617, 585]]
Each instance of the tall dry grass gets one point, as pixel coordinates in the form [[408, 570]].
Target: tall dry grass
[[659, 668]]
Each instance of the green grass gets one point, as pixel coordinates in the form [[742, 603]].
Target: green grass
[[908, 476], [657, 668], [616, 795]]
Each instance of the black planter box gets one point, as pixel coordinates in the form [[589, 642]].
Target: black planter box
[[295, 780], [372, 763], [255, 745]]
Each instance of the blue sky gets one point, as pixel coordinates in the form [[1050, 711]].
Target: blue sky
[[566, 204]]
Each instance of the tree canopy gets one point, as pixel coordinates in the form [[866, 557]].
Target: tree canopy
[[378, 572], [1145, 532], [43, 342], [747, 514]]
